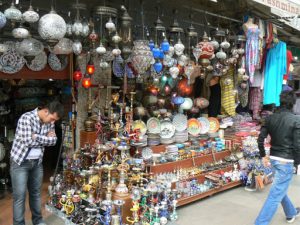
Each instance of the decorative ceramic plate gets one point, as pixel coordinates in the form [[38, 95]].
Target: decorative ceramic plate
[[57, 64], [180, 122], [153, 125], [214, 124], [147, 153], [11, 61], [194, 126], [139, 124], [204, 125], [167, 129], [38, 63]]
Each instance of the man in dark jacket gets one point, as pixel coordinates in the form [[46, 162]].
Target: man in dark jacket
[[284, 128]]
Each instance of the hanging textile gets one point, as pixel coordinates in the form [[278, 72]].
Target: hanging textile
[[252, 51], [255, 101], [289, 59], [274, 71], [227, 93]]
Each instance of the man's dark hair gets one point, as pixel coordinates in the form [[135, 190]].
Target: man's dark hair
[[55, 107], [287, 100]]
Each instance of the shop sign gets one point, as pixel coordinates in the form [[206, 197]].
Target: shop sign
[[288, 6]]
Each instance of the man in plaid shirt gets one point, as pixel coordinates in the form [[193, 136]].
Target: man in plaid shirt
[[35, 130]]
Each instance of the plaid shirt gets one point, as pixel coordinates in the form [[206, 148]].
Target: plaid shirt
[[29, 124]]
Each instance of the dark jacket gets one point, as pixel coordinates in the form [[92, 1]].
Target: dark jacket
[[284, 129]]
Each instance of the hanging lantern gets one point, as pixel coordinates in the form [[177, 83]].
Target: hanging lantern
[[20, 32], [90, 68], [2, 20], [158, 67], [30, 15], [63, 47], [86, 82], [179, 48], [178, 100], [101, 50], [156, 52], [110, 26], [29, 48], [151, 44], [77, 75], [52, 27], [85, 29], [77, 28], [12, 13], [207, 49], [77, 47], [93, 36], [165, 45], [3, 48]]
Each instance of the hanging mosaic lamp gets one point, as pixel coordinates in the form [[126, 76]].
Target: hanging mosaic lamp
[[165, 45], [77, 28], [86, 82], [178, 100], [179, 48], [20, 32], [85, 29], [30, 15], [29, 48], [141, 56], [77, 47], [77, 75], [156, 52], [151, 44], [52, 27], [207, 49], [116, 52], [158, 67], [101, 50], [110, 26], [161, 54], [90, 68], [63, 47], [12, 13], [2, 20], [3, 48]]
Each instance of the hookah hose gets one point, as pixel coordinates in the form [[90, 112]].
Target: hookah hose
[[59, 154]]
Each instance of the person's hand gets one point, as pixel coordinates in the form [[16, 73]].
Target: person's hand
[[51, 133], [266, 161]]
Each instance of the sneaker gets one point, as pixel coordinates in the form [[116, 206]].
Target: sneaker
[[291, 220]]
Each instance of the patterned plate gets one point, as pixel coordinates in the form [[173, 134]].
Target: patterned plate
[[139, 124], [38, 63], [11, 61], [194, 127], [57, 64], [180, 122], [153, 125], [167, 129], [214, 124], [204, 125]]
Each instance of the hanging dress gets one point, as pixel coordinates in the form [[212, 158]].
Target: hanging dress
[[252, 51], [227, 93], [276, 64]]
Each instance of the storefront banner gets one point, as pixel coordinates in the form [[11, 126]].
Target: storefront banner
[[293, 21], [288, 6]]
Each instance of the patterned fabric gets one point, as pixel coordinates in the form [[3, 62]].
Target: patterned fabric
[[255, 103], [243, 95], [252, 51], [29, 124], [227, 94]]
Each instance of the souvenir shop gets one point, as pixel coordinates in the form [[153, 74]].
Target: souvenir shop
[[163, 101]]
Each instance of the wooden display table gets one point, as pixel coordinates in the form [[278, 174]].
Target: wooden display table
[[87, 137]]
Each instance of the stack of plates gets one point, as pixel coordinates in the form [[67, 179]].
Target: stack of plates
[[181, 136], [143, 140], [166, 141], [153, 139], [172, 150]]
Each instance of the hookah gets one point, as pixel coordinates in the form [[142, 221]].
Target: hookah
[[136, 195], [106, 218], [164, 212], [67, 203], [119, 203], [91, 216], [121, 188], [174, 215], [156, 220]]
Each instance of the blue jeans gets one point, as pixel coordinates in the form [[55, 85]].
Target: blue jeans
[[278, 193], [27, 175]]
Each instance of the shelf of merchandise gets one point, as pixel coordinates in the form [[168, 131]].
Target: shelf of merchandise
[[186, 200], [191, 162]]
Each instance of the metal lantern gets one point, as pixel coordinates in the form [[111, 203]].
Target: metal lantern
[[52, 27], [2, 20], [126, 33], [77, 28], [30, 15]]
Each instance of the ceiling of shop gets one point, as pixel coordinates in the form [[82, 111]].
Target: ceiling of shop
[[185, 11]]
